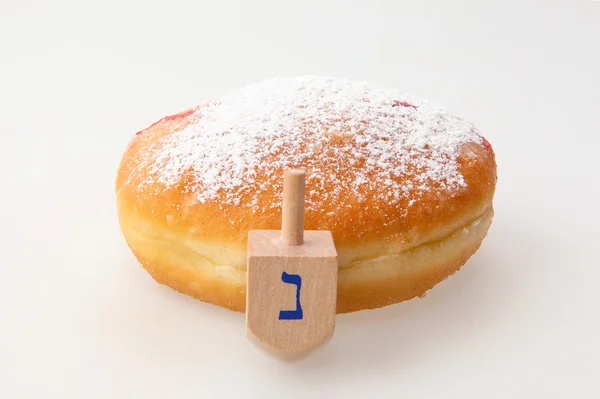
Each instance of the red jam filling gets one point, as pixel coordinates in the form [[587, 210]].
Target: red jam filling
[[403, 104], [488, 146], [177, 116], [180, 115]]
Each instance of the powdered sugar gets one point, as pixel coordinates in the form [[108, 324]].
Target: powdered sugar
[[351, 134]]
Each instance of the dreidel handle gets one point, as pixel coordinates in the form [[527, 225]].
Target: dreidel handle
[[292, 215]]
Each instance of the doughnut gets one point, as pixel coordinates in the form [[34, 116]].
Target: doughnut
[[405, 188]]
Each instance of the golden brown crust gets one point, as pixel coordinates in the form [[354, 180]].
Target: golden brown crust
[[371, 283], [388, 251], [174, 208]]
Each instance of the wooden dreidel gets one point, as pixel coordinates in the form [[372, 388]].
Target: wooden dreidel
[[291, 285]]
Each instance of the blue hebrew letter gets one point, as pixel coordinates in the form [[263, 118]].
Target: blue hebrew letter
[[292, 314]]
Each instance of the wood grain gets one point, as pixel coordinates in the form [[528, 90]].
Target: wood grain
[[292, 212], [270, 263]]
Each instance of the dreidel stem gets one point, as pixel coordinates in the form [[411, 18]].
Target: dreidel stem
[[292, 214]]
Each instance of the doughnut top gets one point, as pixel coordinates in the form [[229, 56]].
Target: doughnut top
[[351, 137]]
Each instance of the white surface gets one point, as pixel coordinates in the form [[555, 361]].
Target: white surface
[[79, 318]]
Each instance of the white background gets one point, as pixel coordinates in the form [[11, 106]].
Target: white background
[[79, 318]]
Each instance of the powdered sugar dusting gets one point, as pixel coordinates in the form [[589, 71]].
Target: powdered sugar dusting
[[346, 134]]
